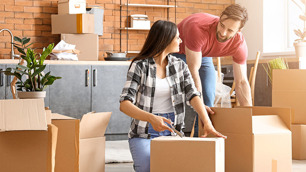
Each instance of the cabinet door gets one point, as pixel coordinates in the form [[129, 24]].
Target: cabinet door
[[70, 95], [2, 82], [106, 89], [8, 80]]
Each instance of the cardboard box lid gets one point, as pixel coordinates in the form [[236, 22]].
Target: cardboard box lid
[[247, 120], [55, 116], [289, 79], [63, 1], [94, 124], [22, 114]]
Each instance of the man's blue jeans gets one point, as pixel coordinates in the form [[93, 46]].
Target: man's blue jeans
[[140, 147], [208, 80]]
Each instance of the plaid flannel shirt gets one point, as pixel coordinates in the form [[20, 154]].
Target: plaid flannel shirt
[[140, 89]]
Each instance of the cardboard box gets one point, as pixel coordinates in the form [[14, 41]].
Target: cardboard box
[[72, 7], [22, 114], [187, 154], [88, 44], [72, 23], [298, 141], [289, 90], [259, 138], [98, 12], [28, 151], [81, 146]]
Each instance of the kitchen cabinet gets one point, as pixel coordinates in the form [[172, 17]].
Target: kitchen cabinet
[[70, 95], [2, 82], [107, 84]]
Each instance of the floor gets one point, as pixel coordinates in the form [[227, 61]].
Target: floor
[[297, 166]]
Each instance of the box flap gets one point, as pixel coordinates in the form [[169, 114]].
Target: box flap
[[22, 114], [289, 79], [269, 124], [94, 124], [232, 120], [59, 116], [48, 116], [283, 113]]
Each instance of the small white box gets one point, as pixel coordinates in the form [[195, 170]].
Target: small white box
[[140, 21], [72, 7]]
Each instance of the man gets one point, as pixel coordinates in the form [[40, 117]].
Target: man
[[205, 36]]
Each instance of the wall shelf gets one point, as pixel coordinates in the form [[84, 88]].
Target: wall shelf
[[149, 5], [132, 52]]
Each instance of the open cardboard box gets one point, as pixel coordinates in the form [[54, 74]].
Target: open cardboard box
[[259, 138], [81, 145], [187, 154], [289, 90], [72, 23]]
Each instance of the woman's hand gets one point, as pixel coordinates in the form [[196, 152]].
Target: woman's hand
[[209, 129], [209, 111], [158, 123]]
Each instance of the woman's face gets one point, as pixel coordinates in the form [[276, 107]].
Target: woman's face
[[174, 47]]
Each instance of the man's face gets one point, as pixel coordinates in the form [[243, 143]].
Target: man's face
[[227, 28]]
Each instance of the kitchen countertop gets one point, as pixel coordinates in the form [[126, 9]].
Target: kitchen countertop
[[66, 62]]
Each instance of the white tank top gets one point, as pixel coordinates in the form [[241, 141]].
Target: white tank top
[[162, 99]]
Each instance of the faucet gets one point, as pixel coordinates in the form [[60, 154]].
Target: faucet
[[13, 55]]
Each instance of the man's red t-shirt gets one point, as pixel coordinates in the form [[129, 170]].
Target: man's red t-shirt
[[198, 33]]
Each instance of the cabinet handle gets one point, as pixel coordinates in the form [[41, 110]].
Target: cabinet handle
[[1, 78], [94, 77], [86, 78], [8, 81]]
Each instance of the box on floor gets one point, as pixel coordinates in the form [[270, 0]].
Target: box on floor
[[298, 141], [88, 44], [187, 154], [259, 138], [289, 90], [28, 144], [72, 23], [81, 146]]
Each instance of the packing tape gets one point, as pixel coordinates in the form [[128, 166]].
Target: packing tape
[[79, 23], [274, 165]]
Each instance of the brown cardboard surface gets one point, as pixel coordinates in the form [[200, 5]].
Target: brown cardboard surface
[[72, 23], [28, 151], [92, 154], [72, 7], [22, 114], [67, 152], [88, 44], [187, 154], [94, 124], [298, 141], [249, 130], [75, 153], [289, 90]]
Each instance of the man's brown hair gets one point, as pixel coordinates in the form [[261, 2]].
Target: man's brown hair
[[236, 12]]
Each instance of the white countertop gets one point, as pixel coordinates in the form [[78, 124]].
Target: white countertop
[[66, 62]]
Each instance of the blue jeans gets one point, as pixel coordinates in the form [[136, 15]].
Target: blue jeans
[[208, 80], [140, 147]]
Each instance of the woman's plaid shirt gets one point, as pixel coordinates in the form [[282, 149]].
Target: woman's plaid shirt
[[140, 89]]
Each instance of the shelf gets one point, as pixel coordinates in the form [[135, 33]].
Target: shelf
[[132, 52], [129, 28], [149, 5]]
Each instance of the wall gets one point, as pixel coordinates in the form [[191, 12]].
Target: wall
[[32, 18]]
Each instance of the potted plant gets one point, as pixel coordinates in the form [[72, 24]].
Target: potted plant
[[300, 44], [31, 80]]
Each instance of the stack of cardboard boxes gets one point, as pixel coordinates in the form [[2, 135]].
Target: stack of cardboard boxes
[[33, 139], [289, 90], [258, 138], [79, 27]]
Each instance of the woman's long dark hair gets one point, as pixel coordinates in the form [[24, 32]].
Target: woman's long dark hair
[[160, 36]]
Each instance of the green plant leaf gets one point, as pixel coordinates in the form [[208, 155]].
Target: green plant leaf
[[39, 70], [45, 53], [17, 39], [19, 89], [21, 50], [22, 67], [29, 45], [25, 40]]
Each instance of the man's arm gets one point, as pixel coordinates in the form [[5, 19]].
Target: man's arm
[[243, 90], [194, 60]]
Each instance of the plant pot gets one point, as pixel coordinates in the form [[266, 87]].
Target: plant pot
[[32, 95], [300, 49]]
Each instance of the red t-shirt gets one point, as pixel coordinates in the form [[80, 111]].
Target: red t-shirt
[[198, 33]]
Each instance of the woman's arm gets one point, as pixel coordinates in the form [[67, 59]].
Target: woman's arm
[[199, 107], [157, 122]]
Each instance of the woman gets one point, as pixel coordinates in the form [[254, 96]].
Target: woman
[[157, 86]]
